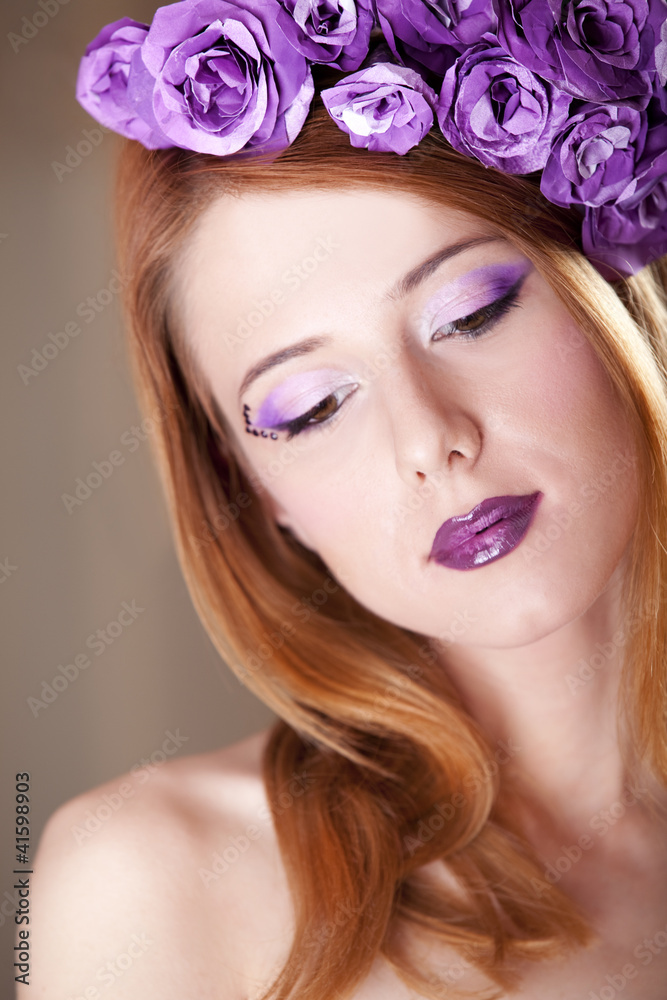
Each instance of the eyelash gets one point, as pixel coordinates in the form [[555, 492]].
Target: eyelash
[[491, 314]]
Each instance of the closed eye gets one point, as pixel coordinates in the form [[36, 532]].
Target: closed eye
[[479, 323], [301, 424], [482, 320]]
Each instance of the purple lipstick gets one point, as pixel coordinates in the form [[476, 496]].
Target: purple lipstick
[[489, 531]]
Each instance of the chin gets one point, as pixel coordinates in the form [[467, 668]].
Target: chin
[[530, 612], [526, 606]]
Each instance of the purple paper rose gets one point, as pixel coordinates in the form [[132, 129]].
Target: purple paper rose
[[493, 108], [384, 108], [336, 32], [593, 159], [431, 33], [109, 61], [597, 50], [632, 231], [627, 236], [226, 76], [661, 55]]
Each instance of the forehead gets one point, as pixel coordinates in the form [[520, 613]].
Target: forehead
[[244, 248], [263, 272]]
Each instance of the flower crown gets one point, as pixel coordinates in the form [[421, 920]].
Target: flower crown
[[573, 89]]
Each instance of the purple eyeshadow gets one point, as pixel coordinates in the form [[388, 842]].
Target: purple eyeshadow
[[296, 395], [458, 298], [474, 290]]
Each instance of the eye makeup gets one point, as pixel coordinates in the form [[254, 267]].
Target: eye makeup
[[485, 293], [298, 394], [472, 291], [253, 430]]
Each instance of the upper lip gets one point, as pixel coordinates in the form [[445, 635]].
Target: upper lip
[[462, 527]]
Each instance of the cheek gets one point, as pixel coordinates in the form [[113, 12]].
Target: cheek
[[584, 442], [321, 510], [566, 395], [339, 517]]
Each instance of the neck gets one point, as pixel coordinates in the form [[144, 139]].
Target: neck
[[555, 702]]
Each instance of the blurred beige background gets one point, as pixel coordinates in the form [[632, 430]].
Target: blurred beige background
[[65, 570]]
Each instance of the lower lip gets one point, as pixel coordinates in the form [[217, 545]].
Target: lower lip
[[493, 542]]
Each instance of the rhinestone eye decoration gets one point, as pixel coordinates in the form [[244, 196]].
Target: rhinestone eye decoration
[[253, 430]]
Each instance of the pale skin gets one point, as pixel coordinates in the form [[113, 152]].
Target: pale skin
[[527, 406]]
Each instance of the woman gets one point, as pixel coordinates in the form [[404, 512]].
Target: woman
[[414, 449]]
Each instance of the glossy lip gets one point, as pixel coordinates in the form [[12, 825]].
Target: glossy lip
[[489, 531]]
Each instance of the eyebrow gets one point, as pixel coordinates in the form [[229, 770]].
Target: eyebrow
[[403, 287]]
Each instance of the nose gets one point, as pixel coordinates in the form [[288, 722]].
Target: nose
[[432, 421]]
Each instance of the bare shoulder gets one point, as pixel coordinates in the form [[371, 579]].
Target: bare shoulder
[[154, 883]]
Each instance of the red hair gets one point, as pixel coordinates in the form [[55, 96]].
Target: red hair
[[365, 706]]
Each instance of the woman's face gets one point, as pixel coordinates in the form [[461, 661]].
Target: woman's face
[[439, 370]]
